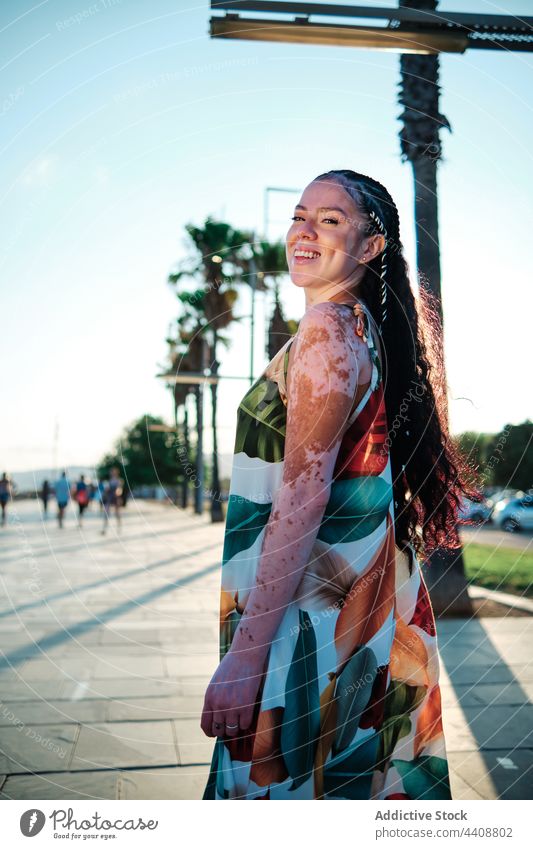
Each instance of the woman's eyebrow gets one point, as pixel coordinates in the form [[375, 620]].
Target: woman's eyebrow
[[324, 209]]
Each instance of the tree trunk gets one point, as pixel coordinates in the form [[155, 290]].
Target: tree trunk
[[199, 477], [187, 454], [217, 514], [444, 571], [427, 227]]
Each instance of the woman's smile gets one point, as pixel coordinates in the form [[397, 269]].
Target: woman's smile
[[303, 255]]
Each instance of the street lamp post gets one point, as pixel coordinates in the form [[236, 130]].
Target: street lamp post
[[200, 379], [253, 289]]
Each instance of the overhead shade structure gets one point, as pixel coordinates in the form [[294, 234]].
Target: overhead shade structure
[[338, 35], [404, 30]]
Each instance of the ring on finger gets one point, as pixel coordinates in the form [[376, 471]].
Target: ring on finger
[[232, 727]]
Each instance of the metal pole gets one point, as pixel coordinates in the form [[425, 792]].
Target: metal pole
[[253, 285], [199, 484], [265, 212]]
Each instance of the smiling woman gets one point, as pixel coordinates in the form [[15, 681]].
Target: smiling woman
[[328, 685]]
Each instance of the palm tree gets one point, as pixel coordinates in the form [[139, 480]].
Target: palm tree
[[271, 264], [421, 146], [185, 356], [218, 263]]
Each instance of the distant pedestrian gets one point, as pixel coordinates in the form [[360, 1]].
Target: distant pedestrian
[[81, 496], [100, 493], [62, 491], [45, 496], [113, 497], [6, 491]]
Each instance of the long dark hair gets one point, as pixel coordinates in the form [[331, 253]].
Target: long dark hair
[[430, 475]]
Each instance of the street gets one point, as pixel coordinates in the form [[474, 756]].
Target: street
[[109, 642]]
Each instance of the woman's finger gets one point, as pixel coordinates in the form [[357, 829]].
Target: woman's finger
[[206, 722], [232, 724], [219, 724]]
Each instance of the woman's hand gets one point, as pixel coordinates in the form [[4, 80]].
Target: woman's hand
[[231, 696]]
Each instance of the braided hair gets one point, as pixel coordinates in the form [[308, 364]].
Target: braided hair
[[430, 475]]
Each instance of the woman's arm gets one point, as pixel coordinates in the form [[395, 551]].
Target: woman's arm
[[323, 384], [329, 362]]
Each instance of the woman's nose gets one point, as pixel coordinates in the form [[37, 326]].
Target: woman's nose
[[306, 230]]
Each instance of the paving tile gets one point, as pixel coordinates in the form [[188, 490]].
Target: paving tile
[[110, 688], [464, 695], [494, 727], [193, 664], [516, 693], [496, 774], [178, 783], [53, 712], [171, 707], [124, 666], [57, 669], [193, 746], [125, 744], [471, 673], [62, 785], [193, 685], [25, 748], [460, 789], [20, 690]]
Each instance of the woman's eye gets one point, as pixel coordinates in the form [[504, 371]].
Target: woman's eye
[[299, 218]]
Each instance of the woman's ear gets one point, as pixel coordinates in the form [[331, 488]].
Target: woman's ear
[[375, 246]]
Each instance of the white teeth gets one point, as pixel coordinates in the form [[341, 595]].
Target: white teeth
[[308, 254]]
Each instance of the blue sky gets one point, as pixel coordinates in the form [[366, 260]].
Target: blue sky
[[123, 121]]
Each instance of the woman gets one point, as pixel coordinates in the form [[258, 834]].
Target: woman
[[5, 494], [343, 470], [82, 497], [113, 497]]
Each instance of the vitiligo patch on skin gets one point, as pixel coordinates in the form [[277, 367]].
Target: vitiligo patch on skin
[[329, 366]]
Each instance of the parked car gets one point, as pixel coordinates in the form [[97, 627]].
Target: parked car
[[474, 511], [514, 515]]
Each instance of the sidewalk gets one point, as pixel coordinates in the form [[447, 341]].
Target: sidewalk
[[109, 643]]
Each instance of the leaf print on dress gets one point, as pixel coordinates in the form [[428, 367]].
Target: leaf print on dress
[[301, 718], [268, 765], [401, 700], [425, 778], [326, 581], [356, 507], [245, 520], [369, 601], [353, 691], [349, 774], [429, 720]]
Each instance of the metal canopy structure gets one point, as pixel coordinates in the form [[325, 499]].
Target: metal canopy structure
[[404, 30]]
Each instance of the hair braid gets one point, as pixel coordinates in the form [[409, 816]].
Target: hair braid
[[430, 476]]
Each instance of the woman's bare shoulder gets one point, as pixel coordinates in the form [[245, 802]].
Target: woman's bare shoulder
[[327, 336]]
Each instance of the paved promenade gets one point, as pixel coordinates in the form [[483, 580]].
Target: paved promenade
[[109, 641]]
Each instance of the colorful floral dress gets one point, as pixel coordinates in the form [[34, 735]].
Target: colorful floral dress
[[350, 705]]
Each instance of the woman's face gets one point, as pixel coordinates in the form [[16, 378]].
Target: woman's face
[[327, 223]]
